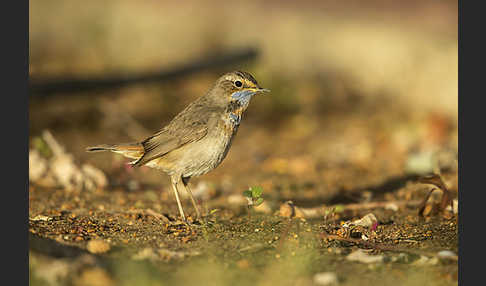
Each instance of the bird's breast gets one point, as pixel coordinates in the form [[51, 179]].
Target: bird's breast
[[231, 118]]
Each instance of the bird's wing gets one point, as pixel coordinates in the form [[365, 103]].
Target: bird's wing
[[165, 141], [189, 126]]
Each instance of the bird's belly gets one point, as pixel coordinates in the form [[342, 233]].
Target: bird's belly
[[197, 158]]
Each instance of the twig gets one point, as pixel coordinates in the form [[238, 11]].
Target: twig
[[55, 147], [377, 246], [149, 212], [436, 181], [321, 211], [45, 87]]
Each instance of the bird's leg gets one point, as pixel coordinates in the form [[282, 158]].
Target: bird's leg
[[176, 193], [185, 182]]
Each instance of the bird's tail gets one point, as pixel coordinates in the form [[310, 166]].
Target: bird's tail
[[129, 150]]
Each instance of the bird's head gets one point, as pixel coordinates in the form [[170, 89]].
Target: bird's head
[[237, 86]]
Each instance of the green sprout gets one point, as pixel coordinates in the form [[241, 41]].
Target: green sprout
[[254, 197], [40, 145]]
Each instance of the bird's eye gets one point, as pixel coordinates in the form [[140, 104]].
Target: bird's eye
[[238, 83]]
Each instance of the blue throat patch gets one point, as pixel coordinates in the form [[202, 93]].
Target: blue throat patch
[[243, 97]]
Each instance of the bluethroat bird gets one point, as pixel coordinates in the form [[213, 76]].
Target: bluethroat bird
[[198, 138]]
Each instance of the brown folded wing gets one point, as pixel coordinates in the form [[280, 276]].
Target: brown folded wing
[[163, 142], [188, 126]]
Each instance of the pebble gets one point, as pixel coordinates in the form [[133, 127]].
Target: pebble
[[446, 255], [167, 254], [366, 221], [401, 258], [41, 218], [391, 206], [420, 163], [37, 165], [243, 264], [145, 254], [424, 260], [325, 278], [363, 257], [94, 277], [53, 272], [288, 209], [97, 176], [97, 246]]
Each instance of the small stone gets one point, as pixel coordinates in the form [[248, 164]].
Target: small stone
[[424, 260], [420, 163], [288, 209], [334, 250], [243, 264], [66, 173], [97, 246], [446, 255], [145, 254], [37, 165], [94, 174], [54, 271], [167, 254], [41, 218], [366, 221], [363, 257], [402, 258], [325, 278], [133, 185], [391, 206], [94, 277]]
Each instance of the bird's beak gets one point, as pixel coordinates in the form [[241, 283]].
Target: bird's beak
[[261, 90]]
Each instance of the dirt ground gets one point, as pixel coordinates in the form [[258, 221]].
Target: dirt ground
[[128, 231]]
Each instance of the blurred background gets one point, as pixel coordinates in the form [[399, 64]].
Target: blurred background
[[361, 91]]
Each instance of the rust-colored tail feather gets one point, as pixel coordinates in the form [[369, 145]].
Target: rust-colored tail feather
[[129, 150], [99, 148]]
